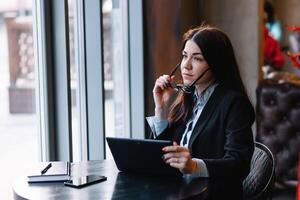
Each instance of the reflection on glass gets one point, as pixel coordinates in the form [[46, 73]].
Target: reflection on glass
[[73, 84], [115, 69], [18, 120], [76, 100]]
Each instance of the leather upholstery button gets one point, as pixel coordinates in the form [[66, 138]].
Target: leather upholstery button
[[278, 112]]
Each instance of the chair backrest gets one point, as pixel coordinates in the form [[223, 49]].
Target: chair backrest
[[260, 181], [278, 127]]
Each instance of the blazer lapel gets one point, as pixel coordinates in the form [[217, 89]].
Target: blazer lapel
[[206, 113], [179, 132]]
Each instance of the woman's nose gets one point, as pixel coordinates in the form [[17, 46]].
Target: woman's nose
[[187, 64]]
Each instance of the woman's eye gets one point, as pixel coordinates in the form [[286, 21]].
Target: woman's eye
[[198, 58], [184, 56]]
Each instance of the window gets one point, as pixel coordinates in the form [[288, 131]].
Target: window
[[82, 87], [112, 108], [116, 71], [77, 80], [19, 123]]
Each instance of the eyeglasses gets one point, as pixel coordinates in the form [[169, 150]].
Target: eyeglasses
[[188, 89]]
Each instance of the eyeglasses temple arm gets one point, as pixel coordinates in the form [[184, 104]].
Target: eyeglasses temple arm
[[199, 77], [174, 70]]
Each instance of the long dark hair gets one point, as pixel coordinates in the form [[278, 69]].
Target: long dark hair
[[219, 54], [269, 9]]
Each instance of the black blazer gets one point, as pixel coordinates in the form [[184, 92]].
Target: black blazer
[[222, 136]]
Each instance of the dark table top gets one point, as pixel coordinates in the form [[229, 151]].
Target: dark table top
[[119, 185]]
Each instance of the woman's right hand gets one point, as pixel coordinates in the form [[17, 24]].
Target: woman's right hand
[[162, 93]]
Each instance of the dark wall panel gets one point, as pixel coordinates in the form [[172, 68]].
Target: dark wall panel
[[164, 23]]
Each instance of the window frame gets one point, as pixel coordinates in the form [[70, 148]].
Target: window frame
[[136, 64], [54, 91]]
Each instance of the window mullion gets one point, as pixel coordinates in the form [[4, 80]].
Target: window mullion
[[81, 96], [94, 77], [137, 108], [62, 88], [43, 97]]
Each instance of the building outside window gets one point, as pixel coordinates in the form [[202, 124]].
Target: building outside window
[[18, 119]]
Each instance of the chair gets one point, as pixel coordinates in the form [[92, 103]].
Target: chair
[[260, 181], [278, 127]]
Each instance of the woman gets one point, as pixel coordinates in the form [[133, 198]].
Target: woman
[[211, 127]]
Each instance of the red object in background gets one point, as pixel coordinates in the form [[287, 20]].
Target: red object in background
[[293, 28], [295, 59], [272, 52]]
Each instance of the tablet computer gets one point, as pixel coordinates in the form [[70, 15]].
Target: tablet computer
[[140, 156]]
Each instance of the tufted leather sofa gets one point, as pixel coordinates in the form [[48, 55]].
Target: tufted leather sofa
[[278, 125]]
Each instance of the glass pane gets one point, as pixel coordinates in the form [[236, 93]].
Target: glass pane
[[115, 69], [18, 119], [75, 100]]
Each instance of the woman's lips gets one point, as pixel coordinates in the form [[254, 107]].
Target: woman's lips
[[184, 75]]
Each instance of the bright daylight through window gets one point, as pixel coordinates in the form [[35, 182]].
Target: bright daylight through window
[[18, 119]]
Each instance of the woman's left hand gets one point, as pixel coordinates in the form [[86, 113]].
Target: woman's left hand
[[179, 157]]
